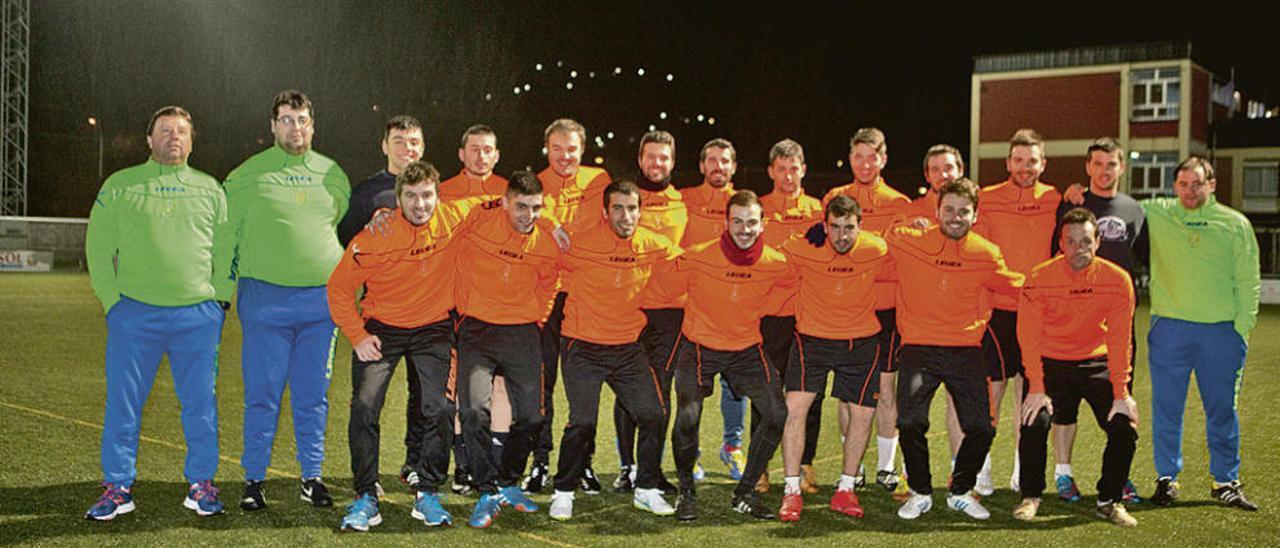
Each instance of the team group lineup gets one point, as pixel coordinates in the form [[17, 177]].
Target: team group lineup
[[493, 289]]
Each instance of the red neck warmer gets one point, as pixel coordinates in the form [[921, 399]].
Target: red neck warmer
[[738, 256]]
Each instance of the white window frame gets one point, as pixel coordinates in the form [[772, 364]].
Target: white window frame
[[1143, 164], [1152, 82], [1261, 185]]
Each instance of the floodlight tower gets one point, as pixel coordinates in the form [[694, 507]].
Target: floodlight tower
[[15, 65]]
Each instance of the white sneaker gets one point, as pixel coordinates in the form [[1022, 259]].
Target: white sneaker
[[968, 504], [916, 504], [650, 500], [984, 485], [561, 505]]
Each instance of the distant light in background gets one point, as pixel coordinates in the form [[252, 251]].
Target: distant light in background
[[1133, 155], [599, 160], [687, 120], [573, 74], [617, 70], [94, 121], [922, 191], [701, 117], [375, 108], [670, 77], [526, 87], [662, 115], [711, 121], [568, 85], [640, 71], [537, 66], [517, 90], [839, 163], [609, 135], [559, 63], [488, 97], [591, 74], [652, 127], [544, 151]]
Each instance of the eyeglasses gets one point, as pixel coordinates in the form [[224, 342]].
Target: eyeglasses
[[301, 121]]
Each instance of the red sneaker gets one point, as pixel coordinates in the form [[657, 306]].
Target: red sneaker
[[846, 502], [791, 506]]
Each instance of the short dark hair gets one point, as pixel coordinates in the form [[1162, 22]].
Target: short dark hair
[[171, 110], [842, 206], [523, 183], [417, 172], [1193, 162], [478, 129], [786, 148], [1026, 138], [940, 149], [870, 136], [718, 143], [963, 187], [402, 122], [296, 100], [741, 198], [1079, 216], [620, 186], [661, 137], [1104, 144], [565, 125]]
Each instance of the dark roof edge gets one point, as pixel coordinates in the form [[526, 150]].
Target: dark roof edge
[[1081, 57]]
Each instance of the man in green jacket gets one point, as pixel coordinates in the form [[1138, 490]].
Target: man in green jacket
[[285, 203], [1204, 303], [157, 264]]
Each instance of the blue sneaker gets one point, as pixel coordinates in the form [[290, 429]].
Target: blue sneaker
[[428, 509], [487, 508], [1067, 489], [363, 514], [512, 496], [733, 457], [1130, 493], [115, 500], [203, 498], [699, 473]]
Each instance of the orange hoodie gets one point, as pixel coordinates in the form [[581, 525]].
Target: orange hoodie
[[707, 212], [1020, 221], [605, 277], [563, 196], [882, 207], [505, 277], [1069, 315], [464, 185], [943, 285], [726, 301], [407, 274], [836, 298]]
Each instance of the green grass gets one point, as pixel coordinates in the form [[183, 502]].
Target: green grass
[[51, 396]]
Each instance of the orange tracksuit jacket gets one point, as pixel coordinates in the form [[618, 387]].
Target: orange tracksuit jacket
[[663, 212], [1069, 315], [605, 277], [564, 196], [787, 216], [707, 212], [944, 285], [836, 299], [726, 301], [925, 206], [464, 185], [504, 277], [1020, 221], [407, 274], [882, 207]]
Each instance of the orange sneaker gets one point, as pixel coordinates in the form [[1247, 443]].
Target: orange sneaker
[[846, 502], [791, 507]]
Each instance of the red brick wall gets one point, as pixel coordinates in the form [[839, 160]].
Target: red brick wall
[[1059, 107]]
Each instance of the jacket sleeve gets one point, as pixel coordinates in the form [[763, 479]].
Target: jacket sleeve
[[1247, 279], [1030, 327], [1120, 339], [101, 243], [347, 278], [224, 241], [1004, 281]]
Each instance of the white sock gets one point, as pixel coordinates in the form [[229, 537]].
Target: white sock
[[792, 485], [886, 451], [986, 466], [1017, 466], [1062, 470], [846, 483]]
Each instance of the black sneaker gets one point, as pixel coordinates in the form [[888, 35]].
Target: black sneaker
[[590, 483], [253, 498], [1232, 495], [536, 479], [686, 506], [1167, 491], [751, 505], [462, 484], [667, 488], [623, 483], [888, 479], [409, 476], [314, 491]]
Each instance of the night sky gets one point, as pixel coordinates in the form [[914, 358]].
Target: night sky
[[762, 72]]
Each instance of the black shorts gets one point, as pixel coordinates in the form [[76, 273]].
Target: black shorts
[[852, 360], [1068, 382], [1000, 343], [890, 341]]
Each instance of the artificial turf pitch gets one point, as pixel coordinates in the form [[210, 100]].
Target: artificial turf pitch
[[51, 398]]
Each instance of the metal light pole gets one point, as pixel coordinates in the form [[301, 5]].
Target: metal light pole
[[98, 130]]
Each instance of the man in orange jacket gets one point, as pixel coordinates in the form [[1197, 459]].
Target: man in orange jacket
[[730, 283], [945, 275], [566, 185], [503, 293], [836, 332], [1074, 321], [605, 273]]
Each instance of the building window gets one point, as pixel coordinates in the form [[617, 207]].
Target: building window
[[1261, 185], [1155, 94], [1152, 173]]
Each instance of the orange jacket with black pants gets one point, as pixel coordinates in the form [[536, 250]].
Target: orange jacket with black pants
[[504, 287], [407, 276], [943, 301], [605, 278], [729, 289], [1074, 327]]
